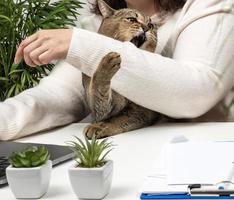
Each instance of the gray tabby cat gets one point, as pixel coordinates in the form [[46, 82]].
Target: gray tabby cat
[[113, 113]]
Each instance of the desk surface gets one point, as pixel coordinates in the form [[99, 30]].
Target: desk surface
[[133, 156]]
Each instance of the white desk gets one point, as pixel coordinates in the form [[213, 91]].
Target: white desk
[[133, 156]]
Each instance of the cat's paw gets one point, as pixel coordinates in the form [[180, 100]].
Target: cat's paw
[[99, 130], [110, 64]]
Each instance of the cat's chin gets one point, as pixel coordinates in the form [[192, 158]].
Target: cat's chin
[[138, 40]]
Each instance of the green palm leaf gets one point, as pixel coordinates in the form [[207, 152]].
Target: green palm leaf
[[18, 19]]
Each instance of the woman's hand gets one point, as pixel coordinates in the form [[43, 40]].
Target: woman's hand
[[44, 46]]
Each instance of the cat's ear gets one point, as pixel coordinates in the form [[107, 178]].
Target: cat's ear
[[105, 9]]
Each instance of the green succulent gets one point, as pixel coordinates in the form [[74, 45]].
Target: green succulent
[[90, 153], [19, 19], [30, 157]]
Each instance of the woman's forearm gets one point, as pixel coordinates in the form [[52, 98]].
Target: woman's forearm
[[54, 102], [186, 85]]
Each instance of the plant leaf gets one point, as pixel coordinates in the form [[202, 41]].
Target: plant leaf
[[19, 19]]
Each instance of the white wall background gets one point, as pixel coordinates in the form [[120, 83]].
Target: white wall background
[[84, 11]]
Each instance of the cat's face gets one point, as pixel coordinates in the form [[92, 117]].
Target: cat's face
[[128, 25]]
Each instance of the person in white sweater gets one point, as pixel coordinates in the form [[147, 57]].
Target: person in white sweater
[[190, 75]]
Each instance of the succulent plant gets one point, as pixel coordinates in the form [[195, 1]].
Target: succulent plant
[[30, 157], [91, 153]]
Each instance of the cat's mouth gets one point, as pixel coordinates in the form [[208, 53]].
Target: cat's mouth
[[139, 40]]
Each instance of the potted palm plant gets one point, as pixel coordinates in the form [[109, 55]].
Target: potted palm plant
[[19, 19], [91, 175], [29, 173]]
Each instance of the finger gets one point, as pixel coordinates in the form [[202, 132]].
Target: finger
[[28, 60], [34, 55], [46, 57], [19, 53], [29, 49]]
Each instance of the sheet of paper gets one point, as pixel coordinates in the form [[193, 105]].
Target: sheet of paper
[[199, 162], [156, 184]]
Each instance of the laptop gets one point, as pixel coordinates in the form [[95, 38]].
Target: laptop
[[58, 154]]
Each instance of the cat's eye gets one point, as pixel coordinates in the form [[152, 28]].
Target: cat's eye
[[150, 25], [132, 19]]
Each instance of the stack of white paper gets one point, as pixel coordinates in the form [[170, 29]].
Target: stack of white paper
[[156, 184], [203, 162], [188, 162]]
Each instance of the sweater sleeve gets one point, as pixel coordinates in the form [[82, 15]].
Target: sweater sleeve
[[56, 101], [198, 74]]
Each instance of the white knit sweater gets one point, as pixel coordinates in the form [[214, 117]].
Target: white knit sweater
[[191, 72]]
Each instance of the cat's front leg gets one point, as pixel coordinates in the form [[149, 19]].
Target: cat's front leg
[[107, 68], [131, 118], [102, 100]]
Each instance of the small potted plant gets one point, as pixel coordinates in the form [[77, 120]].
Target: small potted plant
[[91, 175], [29, 173]]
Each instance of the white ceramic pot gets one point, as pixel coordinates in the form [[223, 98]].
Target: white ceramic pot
[[29, 182], [91, 183]]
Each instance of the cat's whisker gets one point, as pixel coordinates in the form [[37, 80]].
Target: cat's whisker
[[116, 36]]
